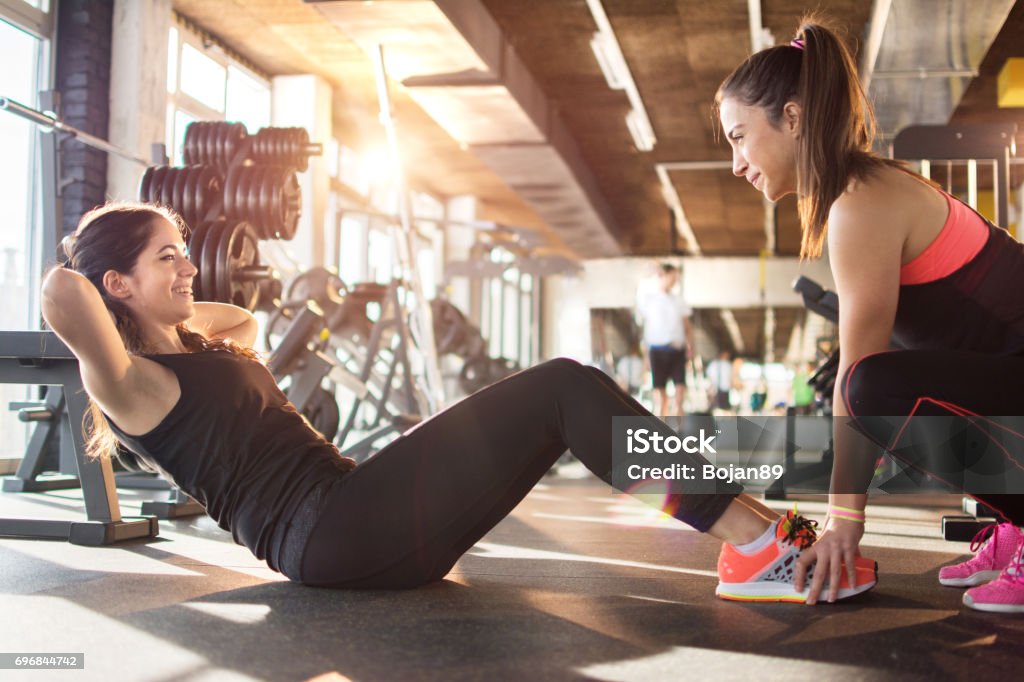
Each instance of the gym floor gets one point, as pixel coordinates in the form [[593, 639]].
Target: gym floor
[[578, 583]]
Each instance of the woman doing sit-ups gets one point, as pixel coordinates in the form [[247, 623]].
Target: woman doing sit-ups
[[174, 382]]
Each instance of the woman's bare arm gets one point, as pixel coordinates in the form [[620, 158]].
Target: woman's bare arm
[[72, 307], [224, 321], [866, 237]]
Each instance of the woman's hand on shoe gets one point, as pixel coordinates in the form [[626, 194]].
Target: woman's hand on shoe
[[838, 544]]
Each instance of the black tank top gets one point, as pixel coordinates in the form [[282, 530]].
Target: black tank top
[[235, 444], [979, 307]]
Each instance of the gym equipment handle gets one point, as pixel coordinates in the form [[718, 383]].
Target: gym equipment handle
[[252, 273]]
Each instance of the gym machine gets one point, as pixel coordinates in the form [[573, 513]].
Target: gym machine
[[330, 335]]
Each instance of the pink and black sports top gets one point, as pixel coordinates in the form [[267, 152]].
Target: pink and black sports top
[[965, 291], [960, 240]]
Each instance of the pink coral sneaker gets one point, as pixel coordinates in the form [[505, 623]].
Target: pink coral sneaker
[[1005, 594], [769, 575], [995, 554]]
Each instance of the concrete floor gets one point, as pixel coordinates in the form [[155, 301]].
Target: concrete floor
[[577, 584]]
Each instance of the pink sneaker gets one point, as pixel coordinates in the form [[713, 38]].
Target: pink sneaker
[[1005, 594], [995, 555]]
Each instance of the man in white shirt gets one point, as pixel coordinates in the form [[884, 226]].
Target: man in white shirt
[[668, 337]]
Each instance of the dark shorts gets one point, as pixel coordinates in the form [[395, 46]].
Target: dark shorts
[[668, 363], [722, 401]]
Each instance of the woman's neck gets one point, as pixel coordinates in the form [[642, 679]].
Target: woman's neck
[[163, 340]]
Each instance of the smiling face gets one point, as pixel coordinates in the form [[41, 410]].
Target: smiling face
[[763, 153], [158, 290]]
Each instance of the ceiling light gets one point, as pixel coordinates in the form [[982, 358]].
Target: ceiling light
[[610, 59], [616, 71], [640, 129]]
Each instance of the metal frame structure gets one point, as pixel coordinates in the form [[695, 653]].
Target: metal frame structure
[[40, 358]]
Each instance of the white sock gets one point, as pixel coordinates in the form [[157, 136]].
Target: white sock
[[759, 543]]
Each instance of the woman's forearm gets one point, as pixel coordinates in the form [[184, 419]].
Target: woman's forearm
[[854, 455], [223, 320]]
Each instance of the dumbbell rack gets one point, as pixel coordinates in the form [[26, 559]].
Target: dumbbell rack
[[234, 190]]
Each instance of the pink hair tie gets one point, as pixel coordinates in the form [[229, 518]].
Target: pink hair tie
[[798, 43]]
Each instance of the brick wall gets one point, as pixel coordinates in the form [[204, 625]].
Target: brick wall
[[83, 78]]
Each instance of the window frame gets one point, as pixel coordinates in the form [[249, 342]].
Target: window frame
[[178, 100]]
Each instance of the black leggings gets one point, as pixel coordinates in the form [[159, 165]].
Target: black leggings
[[404, 517], [949, 385]]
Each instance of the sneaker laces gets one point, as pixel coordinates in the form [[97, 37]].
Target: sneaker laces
[[982, 535], [801, 532], [1015, 571]]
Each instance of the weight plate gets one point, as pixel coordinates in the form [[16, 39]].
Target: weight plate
[[195, 250], [167, 190], [236, 140], [256, 151], [156, 184], [230, 190], [208, 272], [257, 208], [217, 143], [188, 151], [242, 181], [193, 140], [270, 190], [209, 191], [284, 146], [237, 249], [291, 199], [205, 148], [302, 156], [188, 196], [222, 245], [147, 180], [178, 191]]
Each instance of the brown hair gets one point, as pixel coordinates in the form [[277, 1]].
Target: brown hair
[[111, 237], [837, 126]]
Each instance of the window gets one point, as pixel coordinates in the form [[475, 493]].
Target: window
[[203, 78], [205, 83], [248, 99], [23, 55], [20, 51]]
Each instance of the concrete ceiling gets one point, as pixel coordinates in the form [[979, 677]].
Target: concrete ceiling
[[504, 99]]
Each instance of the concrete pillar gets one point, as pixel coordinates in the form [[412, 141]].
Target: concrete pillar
[[138, 88], [305, 101]]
